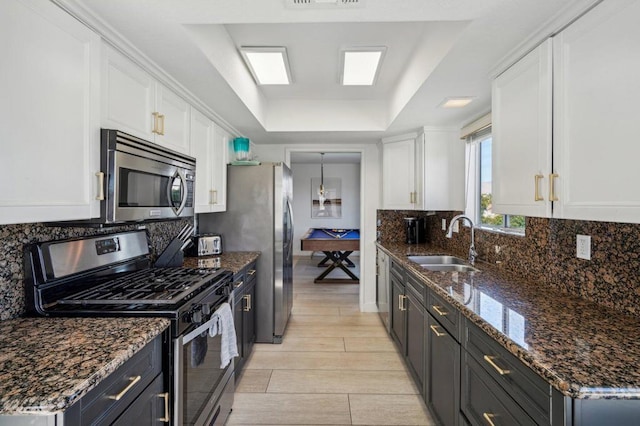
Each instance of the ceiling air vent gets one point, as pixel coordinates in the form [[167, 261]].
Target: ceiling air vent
[[323, 4]]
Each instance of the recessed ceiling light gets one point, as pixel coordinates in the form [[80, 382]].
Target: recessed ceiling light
[[360, 65], [457, 102], [268, 65]]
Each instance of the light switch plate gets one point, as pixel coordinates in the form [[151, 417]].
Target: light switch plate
[[583, 247], [444, 224]]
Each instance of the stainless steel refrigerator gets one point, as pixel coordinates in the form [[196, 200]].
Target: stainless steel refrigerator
[[259, 218]]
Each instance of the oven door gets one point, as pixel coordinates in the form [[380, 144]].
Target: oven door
[[203, 391], [142, 188]]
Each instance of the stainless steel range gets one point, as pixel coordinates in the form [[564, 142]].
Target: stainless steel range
[[111, 275]]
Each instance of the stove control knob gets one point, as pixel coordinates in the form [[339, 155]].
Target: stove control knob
[[206, 308]]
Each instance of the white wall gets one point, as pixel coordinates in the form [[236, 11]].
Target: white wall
[[302, 175]]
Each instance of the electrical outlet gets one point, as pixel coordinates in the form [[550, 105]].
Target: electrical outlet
[[583, 247], [444, 224], [456, 226]]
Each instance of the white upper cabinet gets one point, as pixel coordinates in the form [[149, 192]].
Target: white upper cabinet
[[399, 173], [173, 112], [128, 96], [521, 132], [135, 103], [49, 80], [221, 141], [590, 173], [596, 115], [443, 172], [207, 147], [423, 171]]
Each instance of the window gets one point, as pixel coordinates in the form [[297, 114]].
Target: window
[[479, 191]]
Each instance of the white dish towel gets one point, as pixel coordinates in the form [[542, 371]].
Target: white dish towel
[[224, 327]]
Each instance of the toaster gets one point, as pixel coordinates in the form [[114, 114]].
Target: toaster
[[206, 245]]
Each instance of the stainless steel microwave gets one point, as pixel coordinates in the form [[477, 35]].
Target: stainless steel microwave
[[141, 181], [144, 181]]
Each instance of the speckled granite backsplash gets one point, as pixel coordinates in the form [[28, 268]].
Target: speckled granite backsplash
[[14, 238], [547, 253]]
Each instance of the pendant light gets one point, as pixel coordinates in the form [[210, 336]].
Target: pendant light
[[321, 193]]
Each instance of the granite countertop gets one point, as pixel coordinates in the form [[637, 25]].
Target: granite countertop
[[47, 364], [582, 349], [232, 261]]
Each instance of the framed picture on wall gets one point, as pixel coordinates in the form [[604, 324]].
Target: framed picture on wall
[[329, 205]]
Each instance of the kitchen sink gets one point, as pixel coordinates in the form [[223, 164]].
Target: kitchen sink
[[450, 268], [437, 260], [442, 263]]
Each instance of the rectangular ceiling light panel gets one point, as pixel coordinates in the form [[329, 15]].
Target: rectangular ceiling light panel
[[268, 65], [360, 66]]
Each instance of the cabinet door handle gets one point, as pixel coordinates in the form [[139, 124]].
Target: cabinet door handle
[[552, 187], [166, 417], [434, 328], [214, 196], [411, 198], [156, 116], [100, 176], [439, 310], [537, 196], [247, 299], [400, 302], [489, 418], [490, 360], [161, 117], [119, 396]]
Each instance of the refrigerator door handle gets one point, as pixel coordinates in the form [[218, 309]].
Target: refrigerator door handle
[[290, 228]]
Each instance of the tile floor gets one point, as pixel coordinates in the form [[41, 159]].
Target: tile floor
[[335, 366]]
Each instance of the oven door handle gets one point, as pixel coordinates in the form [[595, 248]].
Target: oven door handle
[[198, 331]]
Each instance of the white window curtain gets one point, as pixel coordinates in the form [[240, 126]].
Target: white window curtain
[[474, 133]]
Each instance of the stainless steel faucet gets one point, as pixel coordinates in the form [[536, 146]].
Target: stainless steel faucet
[[472, 248]]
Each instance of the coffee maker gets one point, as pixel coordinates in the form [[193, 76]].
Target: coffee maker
[[416, 230]]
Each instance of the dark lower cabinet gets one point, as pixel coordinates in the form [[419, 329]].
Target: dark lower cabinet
[[244, 317], [443, 373], [398, 332], [414, 343], [150, 408], [484, 402], [249, 315]]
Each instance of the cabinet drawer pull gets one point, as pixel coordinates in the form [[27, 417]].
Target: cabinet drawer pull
[[491, 362], [434, 328], [552, 187], [537, 196], [119, 396], [238, 284], [439, 310], [247, 306], [489, 418], [100, 176], [251, 272], [166, 417]]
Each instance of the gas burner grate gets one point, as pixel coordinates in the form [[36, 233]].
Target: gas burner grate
[[146, 287]]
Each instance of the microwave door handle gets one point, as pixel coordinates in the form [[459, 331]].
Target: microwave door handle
[[185, 193]]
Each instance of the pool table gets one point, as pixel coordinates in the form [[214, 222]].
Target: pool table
[[337, 245]]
